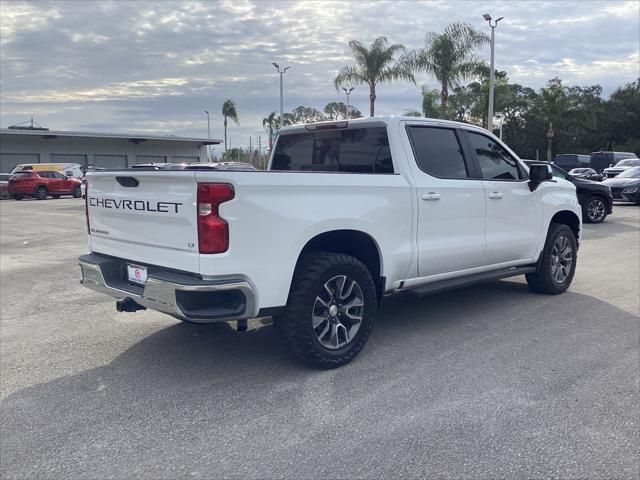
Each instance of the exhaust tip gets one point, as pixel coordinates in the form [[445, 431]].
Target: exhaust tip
[[128, 305]]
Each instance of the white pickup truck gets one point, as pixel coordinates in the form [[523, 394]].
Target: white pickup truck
[[347, 213]]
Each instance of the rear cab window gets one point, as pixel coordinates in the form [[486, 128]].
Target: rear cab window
[[438, 152], [352, 150]]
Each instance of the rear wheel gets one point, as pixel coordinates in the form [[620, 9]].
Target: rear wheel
[[18, 196], [41, 193], [77, 192], [557, 264], [594, 210], [331, 310]]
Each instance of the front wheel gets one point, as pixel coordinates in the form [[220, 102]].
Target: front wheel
[[77, 192], [557, 264], [331, 310], [595, 210]]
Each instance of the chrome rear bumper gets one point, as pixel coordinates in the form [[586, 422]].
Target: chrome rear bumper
[[179, 295]]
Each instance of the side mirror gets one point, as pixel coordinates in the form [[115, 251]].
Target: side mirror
[[539, 173]]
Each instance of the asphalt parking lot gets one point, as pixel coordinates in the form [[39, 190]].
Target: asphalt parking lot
[[490, 381]]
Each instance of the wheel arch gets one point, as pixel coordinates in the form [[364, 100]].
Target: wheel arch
[[355, 243], [569, 218]]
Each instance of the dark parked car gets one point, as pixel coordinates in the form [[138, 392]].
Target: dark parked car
[[601, 160], [626, 186], [42, 183], [568, 161], [587, 174], [594, 197]]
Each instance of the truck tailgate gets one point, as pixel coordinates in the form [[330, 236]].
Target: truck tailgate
[[147, 217]]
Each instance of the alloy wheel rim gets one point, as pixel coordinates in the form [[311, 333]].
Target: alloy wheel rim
[[561, 259], [337, 312], [595, 210]]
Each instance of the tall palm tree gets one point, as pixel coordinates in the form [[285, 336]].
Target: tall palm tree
[[229, 111], [270, 124], [554, 106], [374, 65], [450, 56]]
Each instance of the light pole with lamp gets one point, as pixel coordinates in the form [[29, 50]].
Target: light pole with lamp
[[348, 92], [281, 72], [208, 136], [493, 26]]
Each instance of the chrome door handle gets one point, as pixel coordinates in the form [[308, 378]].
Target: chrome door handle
[[495, 195], [431, 196]]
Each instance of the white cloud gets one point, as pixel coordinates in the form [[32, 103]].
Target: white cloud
[[149, 65]]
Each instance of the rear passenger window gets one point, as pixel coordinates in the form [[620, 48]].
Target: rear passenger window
[[495, 162], [438, 152], [356, 150]]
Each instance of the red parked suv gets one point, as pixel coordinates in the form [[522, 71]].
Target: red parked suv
[[42, 183]]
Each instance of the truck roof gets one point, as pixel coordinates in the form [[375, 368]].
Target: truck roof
[[386, 120]]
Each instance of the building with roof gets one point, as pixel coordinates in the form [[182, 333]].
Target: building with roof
[[101, 150]]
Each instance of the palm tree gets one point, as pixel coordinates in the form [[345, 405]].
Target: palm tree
[[450, 57], [270, 124], [374, 65], [228, 110], [554, 107]]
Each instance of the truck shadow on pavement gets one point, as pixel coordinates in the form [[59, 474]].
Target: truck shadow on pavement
[[190, 391]]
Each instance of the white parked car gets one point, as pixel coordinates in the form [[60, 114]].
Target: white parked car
[[348, 212], [621, 166]]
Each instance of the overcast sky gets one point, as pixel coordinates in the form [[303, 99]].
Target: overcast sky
[[137, 66]]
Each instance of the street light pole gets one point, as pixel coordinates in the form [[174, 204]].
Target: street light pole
[[348, 92], [208, 136], [493, 26], [281, 72]]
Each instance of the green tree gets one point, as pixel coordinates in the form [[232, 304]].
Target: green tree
[[228, 111], [235, 154], [450, 57], [430, 102], [378, 63], [337, 110], [553, 106], [270, 124], [304, 114], [619, 118]]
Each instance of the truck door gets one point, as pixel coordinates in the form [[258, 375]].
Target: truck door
[[451, 203], [514, 213]]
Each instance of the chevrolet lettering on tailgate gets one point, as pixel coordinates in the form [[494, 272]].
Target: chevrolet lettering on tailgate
[[138, 205]]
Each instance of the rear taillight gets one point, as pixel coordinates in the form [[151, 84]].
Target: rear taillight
[[213, 231]]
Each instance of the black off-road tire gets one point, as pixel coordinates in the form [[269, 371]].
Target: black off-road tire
[[594, 202], [41, 193], [18, 196], [77, 192], [542, 281], [295, 324], [55, 195]]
